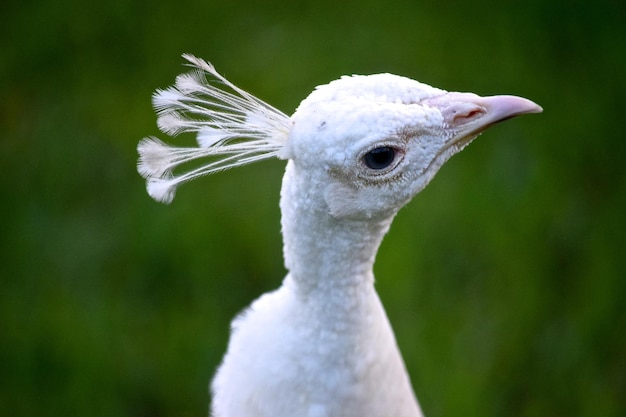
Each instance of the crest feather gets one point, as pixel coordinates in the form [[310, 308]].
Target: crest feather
[[232, 128]]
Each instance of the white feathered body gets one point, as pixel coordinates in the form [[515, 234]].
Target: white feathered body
[[290, 356]]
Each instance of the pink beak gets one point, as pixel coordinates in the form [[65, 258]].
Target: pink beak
[[468, 114]]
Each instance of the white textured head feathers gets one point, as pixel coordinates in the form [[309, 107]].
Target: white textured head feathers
[[233, 128]]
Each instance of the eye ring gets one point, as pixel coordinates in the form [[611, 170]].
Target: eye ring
[[380, 158]]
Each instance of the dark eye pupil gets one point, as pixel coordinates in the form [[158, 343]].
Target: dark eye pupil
[[379, 158]]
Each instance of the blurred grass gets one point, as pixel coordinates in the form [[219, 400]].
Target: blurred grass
[[504, 280]]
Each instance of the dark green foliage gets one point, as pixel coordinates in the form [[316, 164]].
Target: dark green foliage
[[505, 279]]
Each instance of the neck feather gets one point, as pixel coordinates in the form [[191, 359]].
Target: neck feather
[[324, 253]]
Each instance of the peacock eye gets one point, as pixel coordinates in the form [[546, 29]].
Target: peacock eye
[[379, 158]]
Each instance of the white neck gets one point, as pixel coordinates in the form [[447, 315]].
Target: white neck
[[323, 253], [330, 265], [323, 336]]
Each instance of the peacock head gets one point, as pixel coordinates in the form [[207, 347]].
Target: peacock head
[[380, 139], [370, 142]]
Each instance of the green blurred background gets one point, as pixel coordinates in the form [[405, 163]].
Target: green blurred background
[[505, 279]]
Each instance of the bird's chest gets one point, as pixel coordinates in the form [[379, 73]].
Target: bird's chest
[[329, 358]]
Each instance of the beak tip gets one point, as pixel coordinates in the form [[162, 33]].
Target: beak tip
[[505, 107], [533, 107]]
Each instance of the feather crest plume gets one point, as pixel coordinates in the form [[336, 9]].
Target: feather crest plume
[[233, 128]]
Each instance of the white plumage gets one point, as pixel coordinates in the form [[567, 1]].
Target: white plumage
[[358, 149]]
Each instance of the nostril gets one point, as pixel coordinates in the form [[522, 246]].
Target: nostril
[[473, 113], [466, 116], [462, 113]]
